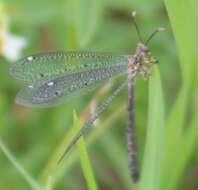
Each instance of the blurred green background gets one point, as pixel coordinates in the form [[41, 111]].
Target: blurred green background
[[32, 140]]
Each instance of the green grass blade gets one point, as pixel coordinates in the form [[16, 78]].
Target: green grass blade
[[50, 183], [87, 19], [174, 129], [153, 156], [83, 16], [84, 159], [57, 172], [33, 184], [185, 152], [183, 31], [183, 22]]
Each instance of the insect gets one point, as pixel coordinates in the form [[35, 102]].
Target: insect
[[48, 79]]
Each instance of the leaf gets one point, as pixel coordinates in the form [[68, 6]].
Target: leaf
[[186, 150], [153, 155], [84, 159], [32, 183], [183, 25], [83, 16]]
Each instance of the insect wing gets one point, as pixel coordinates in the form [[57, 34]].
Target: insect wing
[[55, 91], [48, 66]]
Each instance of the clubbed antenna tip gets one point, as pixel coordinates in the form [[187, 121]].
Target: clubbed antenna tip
[[160, 29], [134, 14]]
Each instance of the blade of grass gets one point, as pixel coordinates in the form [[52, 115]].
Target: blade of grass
[[84, 19], [182, 22], [51, 168], [33, 184], [49, 185], [53, 171], [84, 159], [185, 152], [174, 130], [183, 33], [153, 155], [87, 19]]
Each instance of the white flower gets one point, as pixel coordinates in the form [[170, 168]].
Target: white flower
[[13, 47], [10, 45]]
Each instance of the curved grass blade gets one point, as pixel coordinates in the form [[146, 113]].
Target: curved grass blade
[[154, 150], [24, 173], [84, 158]]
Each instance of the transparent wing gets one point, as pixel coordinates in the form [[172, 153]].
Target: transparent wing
[[46, 66], [55, 91]]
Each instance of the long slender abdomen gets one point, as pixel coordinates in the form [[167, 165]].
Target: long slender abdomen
[[131, 135]]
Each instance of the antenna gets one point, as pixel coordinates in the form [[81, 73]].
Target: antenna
[[160, 29], [136, 26]]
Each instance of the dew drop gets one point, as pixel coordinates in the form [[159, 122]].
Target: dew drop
[[30, 58], [50, 83], [30, 86]]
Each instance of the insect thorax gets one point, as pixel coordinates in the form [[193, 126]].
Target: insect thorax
[[141, 62]]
